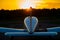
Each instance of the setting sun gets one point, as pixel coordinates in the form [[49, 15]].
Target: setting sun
[[27, 4]]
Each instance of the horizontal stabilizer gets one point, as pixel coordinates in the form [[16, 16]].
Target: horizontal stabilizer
[[33, 34]]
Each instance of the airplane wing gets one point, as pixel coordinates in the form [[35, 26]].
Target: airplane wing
[[50, 32], [23, 32], [3, 29], [54, 29], [26, 34]]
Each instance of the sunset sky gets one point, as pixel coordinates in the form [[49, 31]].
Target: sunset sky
[[37, 4]]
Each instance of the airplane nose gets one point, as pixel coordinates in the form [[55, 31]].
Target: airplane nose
[[33, 25]]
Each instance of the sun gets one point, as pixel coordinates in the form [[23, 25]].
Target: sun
[[26, 4]]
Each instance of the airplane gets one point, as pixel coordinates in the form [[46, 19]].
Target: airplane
[[30, 23]]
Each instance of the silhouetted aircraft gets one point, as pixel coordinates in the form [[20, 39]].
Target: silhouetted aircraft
[[30, 23]]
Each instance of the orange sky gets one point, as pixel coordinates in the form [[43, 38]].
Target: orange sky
[[17, 4]]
